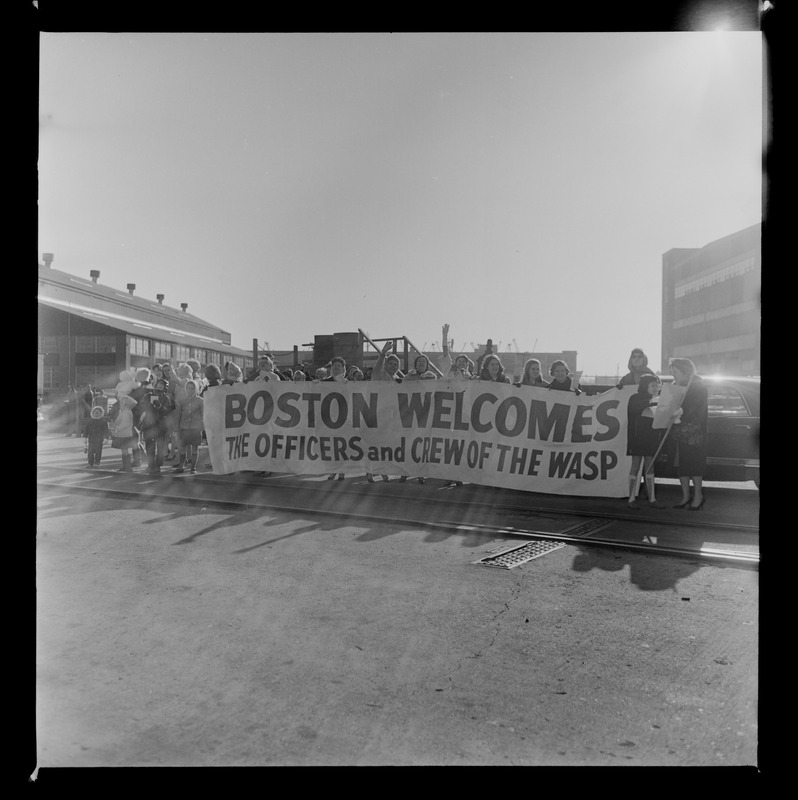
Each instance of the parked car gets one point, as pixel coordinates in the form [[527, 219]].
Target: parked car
[[732, 429]]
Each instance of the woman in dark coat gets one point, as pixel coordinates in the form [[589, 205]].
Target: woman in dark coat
[[642, 438], [689, 433]]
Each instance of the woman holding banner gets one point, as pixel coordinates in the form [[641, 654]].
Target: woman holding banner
[[562, 379], [690, 433], [531, 375], [458, 370], [493, 370], [643, 439], [337, 375], [386, 369], [421, 370]]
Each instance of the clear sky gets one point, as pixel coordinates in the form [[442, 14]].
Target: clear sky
[[519, 186]]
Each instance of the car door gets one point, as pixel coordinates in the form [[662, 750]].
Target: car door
[[732, 434]]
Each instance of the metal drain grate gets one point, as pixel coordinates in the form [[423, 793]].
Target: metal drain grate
[[591, 526], [519, 554]]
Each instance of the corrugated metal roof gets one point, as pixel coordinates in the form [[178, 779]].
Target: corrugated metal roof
[[136, 315], [87, 293]]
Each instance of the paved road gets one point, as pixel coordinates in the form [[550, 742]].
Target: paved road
[[194, 634]]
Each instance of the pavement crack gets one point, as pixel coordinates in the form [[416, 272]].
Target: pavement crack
[[497, 622]]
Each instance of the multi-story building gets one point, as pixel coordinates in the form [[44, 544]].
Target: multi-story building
[[89, 333], [711, 304]]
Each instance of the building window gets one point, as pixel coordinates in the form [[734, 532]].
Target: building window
[[86, 375], [50, 378], [139, 346], [182, 353], [201, 355], [162, 349], [49, 344], [718, 276], [95, 344]]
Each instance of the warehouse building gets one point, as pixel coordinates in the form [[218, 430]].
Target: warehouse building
[[89, 333]]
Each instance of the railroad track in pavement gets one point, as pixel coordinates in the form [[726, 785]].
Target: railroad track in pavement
[[468, 508]]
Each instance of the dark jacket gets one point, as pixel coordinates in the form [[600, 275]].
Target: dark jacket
[[564, 386], [96, 429], [537, 382], [156, 407], [633, 378]]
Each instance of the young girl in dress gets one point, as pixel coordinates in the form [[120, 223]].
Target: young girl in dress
[[642, 438]]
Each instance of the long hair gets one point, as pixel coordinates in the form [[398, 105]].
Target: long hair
[[525, 379], [484, 374]]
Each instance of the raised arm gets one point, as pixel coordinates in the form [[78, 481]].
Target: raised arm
[[383, 353], [446, 358]]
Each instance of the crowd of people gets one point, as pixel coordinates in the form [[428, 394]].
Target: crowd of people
[[159, 410]]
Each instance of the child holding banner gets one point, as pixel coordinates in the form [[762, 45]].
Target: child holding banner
[[642, 438]]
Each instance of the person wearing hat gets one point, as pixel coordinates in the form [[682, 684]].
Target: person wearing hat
[[125, 433], [190, 425], [232, 374], [95, 433]]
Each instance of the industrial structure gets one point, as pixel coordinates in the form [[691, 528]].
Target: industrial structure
[[89, 333]]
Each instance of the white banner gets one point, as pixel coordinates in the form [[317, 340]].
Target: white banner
[[527, 438]]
